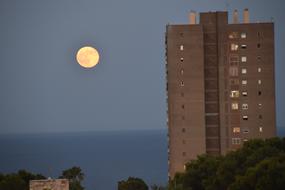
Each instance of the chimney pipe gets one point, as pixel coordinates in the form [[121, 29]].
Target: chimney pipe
[[235, 17], [192, 17], [245, 16]]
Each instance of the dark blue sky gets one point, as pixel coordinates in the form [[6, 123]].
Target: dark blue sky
[[43, 89]]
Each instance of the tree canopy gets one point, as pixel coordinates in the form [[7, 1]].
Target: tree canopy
[[259, 164], [132, 183]]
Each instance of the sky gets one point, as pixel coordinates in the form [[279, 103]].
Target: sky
[[43, 89]]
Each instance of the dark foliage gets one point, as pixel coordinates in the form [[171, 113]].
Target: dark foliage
[[132, 184]]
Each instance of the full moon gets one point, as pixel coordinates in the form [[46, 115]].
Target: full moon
[[87, 57]]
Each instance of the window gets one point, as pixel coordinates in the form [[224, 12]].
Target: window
[[258, 45], [181, 83], [260, 129], [259, 116], [182, 71], [243, 71], [233, 35], [234, 81], [259, 69], [245, 130], [234, 47], [244, 82], [245, 117], [181, 59], [245, 140], [234, 94], [243, 46], [259, 81], [183, 118], [243, 35], [244, 106], [235, 140], [183, 130], [235, 106], [182, 106], [260, 105], [243, 59], [259, 93], [181, 34], [236, 130], [233, 71], [181, 47], [244, 93], [183, 153], [259, 58]]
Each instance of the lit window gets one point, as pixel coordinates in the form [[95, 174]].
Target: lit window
[[260, 105], [259, 69], [235, 140], [234, 94], [245, 140], [243, 59], [235, 106], [244, 106], [243, 35], [182, 71], [233, 35], [243, 46], [244, 93], [234, 47], [181, 47], [259, 81], [184, 167], [181, 59], [260, 129], [236, 130], [245, 131], [244, 82], [181, 83], [245, 117], [243, 71]]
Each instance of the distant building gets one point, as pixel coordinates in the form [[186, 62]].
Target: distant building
[[220, 85], [49, 184]]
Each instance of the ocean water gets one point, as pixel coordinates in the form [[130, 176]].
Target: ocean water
[[105, 157]]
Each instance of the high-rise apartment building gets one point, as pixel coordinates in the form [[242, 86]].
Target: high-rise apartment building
[[220, 85]]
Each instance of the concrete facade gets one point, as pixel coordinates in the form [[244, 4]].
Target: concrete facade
[[49, 184], [220, 86]]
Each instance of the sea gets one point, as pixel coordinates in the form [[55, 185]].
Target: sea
[[104, 157]]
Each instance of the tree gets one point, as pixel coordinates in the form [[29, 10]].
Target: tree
[[75, 177], [132, 184]]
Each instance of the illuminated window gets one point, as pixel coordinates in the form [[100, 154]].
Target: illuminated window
[[245, 117], [260, 129], [244, 106], [259, 81], [236, 130], [184, 167], [260, 105], [234, 47], [236, 140], [245, 140], [244, 93], [234, 94], [181, 83], [243, 71], [181, 47], [243, 46], [182, 71], [243, 35], [243, 59], [181, 59], [233, 35], [244, 82], [235, 106], [259, 69]]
